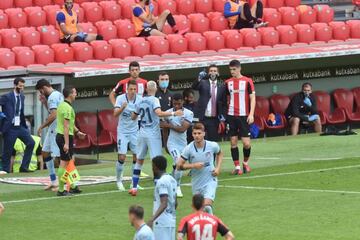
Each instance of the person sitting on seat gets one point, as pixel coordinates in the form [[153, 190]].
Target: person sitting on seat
[[70, 30], [241, 15], [146, 24]]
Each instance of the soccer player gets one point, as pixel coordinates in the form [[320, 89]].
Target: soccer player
[[127, 130], [2, 208], [50, 150], [121, 86], [164, 213], [199, 157], [65, 130], [177, 140], [136, 218], [240, 114], [149, 133], [201, 225]]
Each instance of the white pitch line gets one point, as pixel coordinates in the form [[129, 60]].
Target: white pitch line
[[260, 158], [320, 159]]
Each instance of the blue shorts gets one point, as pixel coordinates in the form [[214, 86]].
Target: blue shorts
[[153, 144], [125, 142], [208, 190]]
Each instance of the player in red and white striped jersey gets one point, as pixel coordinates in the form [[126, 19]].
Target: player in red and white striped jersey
[[240, 101], [201, 225]]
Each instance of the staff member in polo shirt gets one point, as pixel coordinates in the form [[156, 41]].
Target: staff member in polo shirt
[[65, 136]]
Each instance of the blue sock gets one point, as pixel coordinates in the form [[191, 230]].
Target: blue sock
[[136, 175], [177, 176], [119, 170], [51, 168], [208, 209]]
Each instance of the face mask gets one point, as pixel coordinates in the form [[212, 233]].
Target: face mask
[[18, 90], [164, 84], [213, 76], [306, 94], [69, 6], [147, 2]]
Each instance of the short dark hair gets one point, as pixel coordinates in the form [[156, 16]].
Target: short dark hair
[[187, 92], [132, 82], [67, 91], [137, 210], [42, 83], [234, 63], [306, 84], [177, 96], [199, 126], [160, 162], [134, 64], [198, 201], [17, 80], [163, 73], [212, 66]]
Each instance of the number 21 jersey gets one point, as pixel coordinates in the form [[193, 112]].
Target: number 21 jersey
[[149, 121]]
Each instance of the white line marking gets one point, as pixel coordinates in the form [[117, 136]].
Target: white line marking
[[260, 158], [319, 159]]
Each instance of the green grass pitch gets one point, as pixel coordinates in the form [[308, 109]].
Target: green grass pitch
[[304, 187]]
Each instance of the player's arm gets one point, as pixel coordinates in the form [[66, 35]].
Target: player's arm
[[218, 160], [50, 119], [182, 229], [160, 210], [160, 113], [79, 28], [66, 135], [112, 97], [79, 133], [60, 18], [180, 129], [252, 108], [119, 107], [229, 236], [224, 231], [183, 165]]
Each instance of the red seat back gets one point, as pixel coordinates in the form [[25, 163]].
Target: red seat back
[[262, 108], [356, 93], [344, 98], [87, 123], [108, 121], [279, 103], [322, 101]]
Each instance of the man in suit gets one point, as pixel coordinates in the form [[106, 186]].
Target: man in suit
[[14, 126], [208, 109]]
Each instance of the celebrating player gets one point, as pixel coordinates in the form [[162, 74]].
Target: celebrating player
[[177, 140], [240, 114], [164, 213], [201, 225], [65, 137], [127, 128], [50, 149], [200, 156], [136, 218], [149, 134]]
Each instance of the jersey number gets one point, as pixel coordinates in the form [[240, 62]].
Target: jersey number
[[207, 233], [143, 112]]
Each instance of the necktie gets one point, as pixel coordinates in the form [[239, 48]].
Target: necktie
[[213, 99], [17, 107]]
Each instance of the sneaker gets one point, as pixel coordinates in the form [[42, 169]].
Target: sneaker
[[179, 193], [63, 194], [75, 190], [138, 187], [120, 186], [143, 174], [237, 171], [133, 192], [246, 168]]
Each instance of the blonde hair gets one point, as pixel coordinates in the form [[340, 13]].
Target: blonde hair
[[151, 85]]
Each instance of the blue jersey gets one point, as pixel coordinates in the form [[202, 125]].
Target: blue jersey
[[166, 185], [144, 233], [126, 125], [149, 121], [53, 101], [176, 139], [206, 155]]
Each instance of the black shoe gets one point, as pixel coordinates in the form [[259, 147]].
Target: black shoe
[[24, 170], [63, 194], [75, 190]]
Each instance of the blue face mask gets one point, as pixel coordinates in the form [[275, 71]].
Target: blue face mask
[[164, 84]]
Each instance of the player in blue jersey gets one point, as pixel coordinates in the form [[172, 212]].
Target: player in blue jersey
[[51, 98], [136, 218], [149, 133], [177, 139], [163, 220], [199, 156]]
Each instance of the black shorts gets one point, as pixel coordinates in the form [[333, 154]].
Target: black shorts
[[60, 141], [238, 126], [146, 31], [66, 39]]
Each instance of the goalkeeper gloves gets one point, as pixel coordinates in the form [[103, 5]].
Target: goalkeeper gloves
[[307, 101], [2, 115], [313, 117], [202, 75]]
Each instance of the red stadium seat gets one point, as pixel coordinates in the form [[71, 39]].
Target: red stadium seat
[[23, 3], [6, 4], [217, 21], [82, 51], [275, 3], [80, 144], [281, 45], [324, 13], [344, 99], [218, 5], [269, 36], [177, 43], [93, 12], [169, 55], [63, 52], [88, 27], [43, 54], [214, 40], [126, 8], [185, 7], [139, 47], [233, 39], [356, 93], [109, 123], [279, 103], [10, 38], [167, 5], [189, 53], [24, 56], [307, 14], [226, 50], [49, 35], [289, 16], [41, 3], [322, 31], [354, 28], [120, 48], [111, 10], [196, 42], [272, 16], [55, 64], [323, 104], [262, 111], [205, 6], [35, 66], [51, 12], [182, 22], [4, 21], [252, 2], [106, 29], [102, 50], [292, 3], [305, 33], [341, 31], [17, 17], [251, 38], [262, 47], [125, 28], [88, 124], [35, 16], [7, 58], [158, 45], [199, 23], [29, 36]]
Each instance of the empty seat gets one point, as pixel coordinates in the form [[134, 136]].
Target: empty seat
[[48, 35], [106, 29], [279, 104], [17, 17], [354, 28], [292, 3], [35, 16], [199, 23], [7, 58], [24, 56], [344, 99], [63, 52], [287, 34], [341, 31], [126, 8], [307, 14], [5, 4], [322, 31], [88, 27], [324, 13], [158, 45], [218, 5], [120, 48], [41, 3], [43, 54], [102, 50], [93, 12], [51, 12], [4, 21], [289, 16], [125, 28], [23, 3], [177, 43], [233, 39], [217, 21], [196, 42], [262, 111], [323, 104], [269, 36], [82, 51], [214, 40], [305, 33], [251, 38], [80, 144], [29, 36], [182, 22], [111, 10], [272, 16], [205, 6], [275, 3], [185, 7], [167, 5], [356, 93], [139, 47], [109, 123], [10, 38]]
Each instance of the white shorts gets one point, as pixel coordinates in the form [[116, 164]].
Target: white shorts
[[164, 233], [175, 153], [50, 145], [208, 190], [125, 142], [153, 144]]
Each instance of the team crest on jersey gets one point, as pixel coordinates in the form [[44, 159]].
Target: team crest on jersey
[[208, 155]]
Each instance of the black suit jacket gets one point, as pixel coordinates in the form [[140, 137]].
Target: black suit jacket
[[297, 107], [7, 102], [204, 88]]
